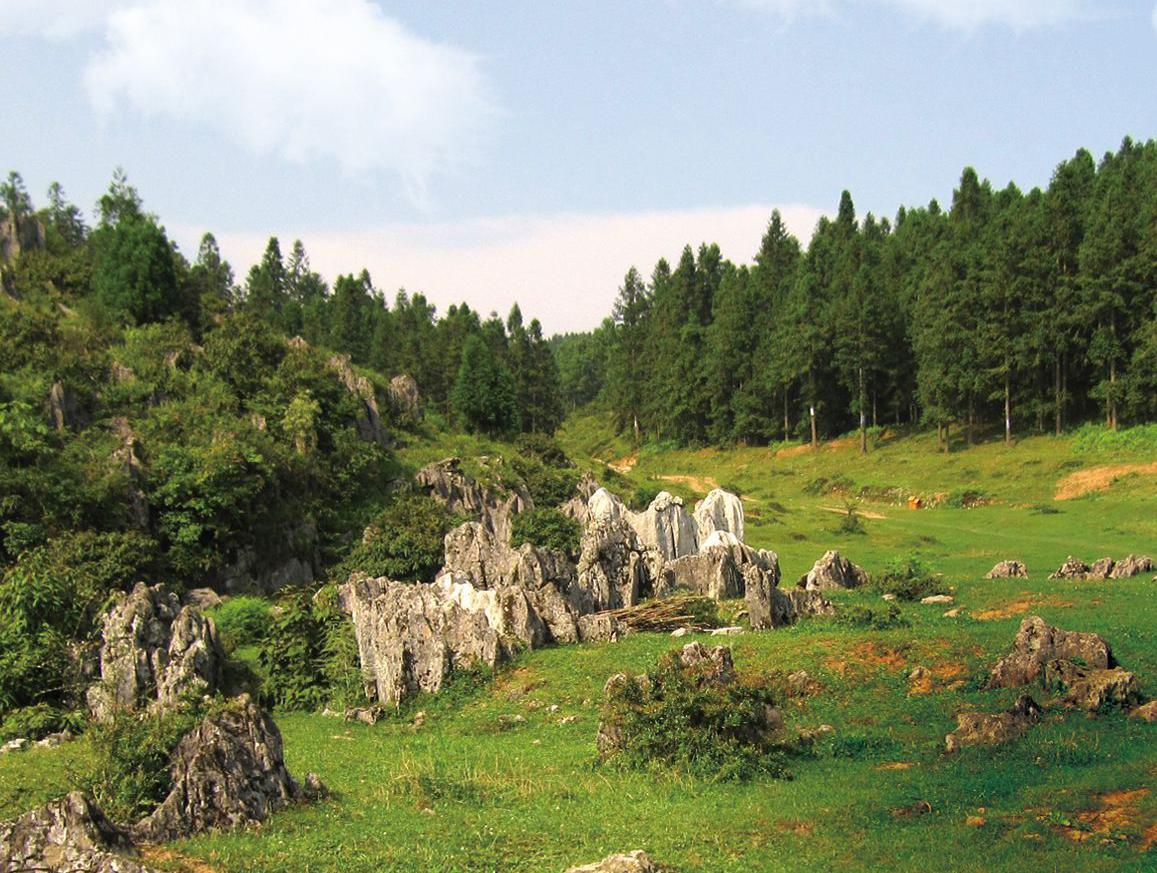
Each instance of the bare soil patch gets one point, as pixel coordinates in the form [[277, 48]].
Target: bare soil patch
[[624, 465], [1098, 479], [867, 653], [1116, 813], [1024, 603], [174, 861], [863, 513], [698, 484]]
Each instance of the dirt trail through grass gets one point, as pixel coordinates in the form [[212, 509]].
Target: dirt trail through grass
[[698, 484], [1085, 482]]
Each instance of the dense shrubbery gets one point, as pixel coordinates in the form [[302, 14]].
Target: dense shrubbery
[[873, 619], [40, 720], [242, 621], [405, 542], [549, 529], [909, 579], [309, 654]]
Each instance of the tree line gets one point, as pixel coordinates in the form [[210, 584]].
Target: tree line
[[1021, 311], [485, 373]]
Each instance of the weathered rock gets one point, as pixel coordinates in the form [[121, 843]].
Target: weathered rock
[[713, 666], [369, 422], [411, 637], [474, 552], [69, 835], [1008, 570], [938, 600], [605, 506], [576, 507], [601, 627], [666, 530], [719, 510], [833, 571], [129, 465], [16, 745], [725, 568], [1133, 565], [63, 407], [285, 560], [791, 605], [632, 862], [202, 598], [1102, 569], [154, 652], [1072, 568], [228, 772], [1146, 712], [1091, 688], [405, 398], [1037, 643], [990, 729], [612, 567], [24, 233], [461, 495]]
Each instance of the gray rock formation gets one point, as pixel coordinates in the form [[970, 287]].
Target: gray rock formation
[[69, 835], [576, 507], [1008, 570], [405, 398], [632, 862], [24, 234], [666, 530], [129, 465], [1133, 565], [612, 566], [1092, 689], [371, 428], [461, 495], [1072, 568], [605, 506], [227, 773], [719, 510], [990, 729], [63, 407], [725, 568], [1102, 569], [1037, 643], [831, 572], [792, 604], [154, 652], [285, 560]]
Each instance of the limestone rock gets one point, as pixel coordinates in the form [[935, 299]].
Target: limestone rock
[[726, 568], [405, 398], [69, 835], [1072, 568], [632, 862], [153, 652], [1102, 569], [63, 407], [228, 772], [129, 465], [833, 571], [461, 495], [202, 598], [1008, 570], [719, 510], [1037, 643], [23, 234], [989, 729], [1146, 712], [612, 566], [1133, 565], [666, 530], [713, 666], [371, 429], [601, 627], [605, 506], [1090, 688], [576, 507], [791, 605]]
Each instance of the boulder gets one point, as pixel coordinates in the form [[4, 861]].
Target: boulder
[[632, 862], [1133, 565], [1146, 712], [1092, 689], [612, 566], [725, 568], [154, 652], [1037, 643], [601, 627], [68, 835], [791, 605], [461, 495], [23, 233], [202, 598], [370, 427], [719, 510], [666, 530], [1102, 569], [990, 729], [605, 506], [405, 398], [576, 507], [1072, 568], [285, 559], [1008, 570], [833, 571], [712, 666], [227, 772]]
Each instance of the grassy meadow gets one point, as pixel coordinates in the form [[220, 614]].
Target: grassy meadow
[[499, 773]]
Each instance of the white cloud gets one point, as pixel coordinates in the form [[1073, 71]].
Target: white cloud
[[965, 15], [54, 19], [562, 269], [1155, 17]]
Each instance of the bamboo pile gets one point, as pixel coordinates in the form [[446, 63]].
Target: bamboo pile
[[656, 616]]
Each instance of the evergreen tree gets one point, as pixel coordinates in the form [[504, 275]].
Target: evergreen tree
[[484, 397]]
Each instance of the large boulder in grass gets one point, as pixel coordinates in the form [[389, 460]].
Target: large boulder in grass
[[833, 571], [792, 604], [68, 835], [1008, 570], [990, 729], [666, 530], [1133, 565], [1037, 643], [154, 651], [227, 772], [719, 510], [1072, 568], [637, 861], [1090, 688]]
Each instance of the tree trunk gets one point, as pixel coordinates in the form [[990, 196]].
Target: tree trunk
[[638, 434], [815, 434], [863, 416], [786, 418], [875, 410], [1113, 393], [1007, 409], [1059, 395], [947, 436], [971, 421]]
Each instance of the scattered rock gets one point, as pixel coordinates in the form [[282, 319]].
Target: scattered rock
[[720, 667], [576, 507], [680, 632], [1037, 643], [919, 808], [69, 835], [796, 603], [52, 741], [719, 511], [1102, 569], [955, 613], [833, 571], [890, 597], [1133, 565], [17, 745], [1008, 570], [1072, 568], [633, 862], [1090, 688], [569, 719], [154, 651], [988, 729], [1146, 712], [369, 421], [227, 772], [726, 631], [405, 398], [370, 715], [941, 599]]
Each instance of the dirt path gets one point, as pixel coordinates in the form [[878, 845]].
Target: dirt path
[[624, 465], [1098, 479], [863, 513], [698, 484]]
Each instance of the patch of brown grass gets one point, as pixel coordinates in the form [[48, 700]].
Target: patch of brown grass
[[698, 484], [1025, 602], [1098, 479], [1117, 812], [174, 861]]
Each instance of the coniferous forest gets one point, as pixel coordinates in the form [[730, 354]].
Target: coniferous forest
[[1019, 312]]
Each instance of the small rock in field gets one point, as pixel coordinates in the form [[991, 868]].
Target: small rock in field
[[570, 719], [1146, 712], [939, 599], [633, 862], [419, 718], [920, 807], [727, 631], [14, 746], [889, 597], [680, 632], [954, 613], [554, 707]]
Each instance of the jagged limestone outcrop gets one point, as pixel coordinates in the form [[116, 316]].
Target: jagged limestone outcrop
[[719, 510]]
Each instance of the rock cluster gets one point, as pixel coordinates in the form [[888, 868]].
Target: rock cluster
[[1105, 568], [1038, 643], [370, 427], [725, 568], [833, 571], [461, 495], [632, 862], [1008, 570], [990, 729], [719, 510], [154, 652]]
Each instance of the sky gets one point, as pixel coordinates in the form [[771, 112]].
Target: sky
[[520, 150]]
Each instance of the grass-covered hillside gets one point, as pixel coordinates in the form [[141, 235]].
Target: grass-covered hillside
[[501, 773]]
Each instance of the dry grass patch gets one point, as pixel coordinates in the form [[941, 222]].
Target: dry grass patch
[[1099, 479]]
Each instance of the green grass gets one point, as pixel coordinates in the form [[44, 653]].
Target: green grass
[[472, 790]]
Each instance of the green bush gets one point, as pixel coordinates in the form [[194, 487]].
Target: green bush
[[542, 447], [850, 523], [909, 579], [874, 619], [641, 497], [309, 654], [1097, 438], [242, 620], [404, 543], [37, 722], [677, 718], [547, 528], [548, 474]]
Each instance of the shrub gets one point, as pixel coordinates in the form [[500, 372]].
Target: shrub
[[850, 524], [309, 653], [241, 621], [37, 722], [678, 718], [405, 542], [548, 474], [641, 497], [875, 619], [545, 449], [909, 579], [547, 528]]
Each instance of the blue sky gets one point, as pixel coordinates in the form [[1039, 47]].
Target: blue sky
[[533, 151]]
